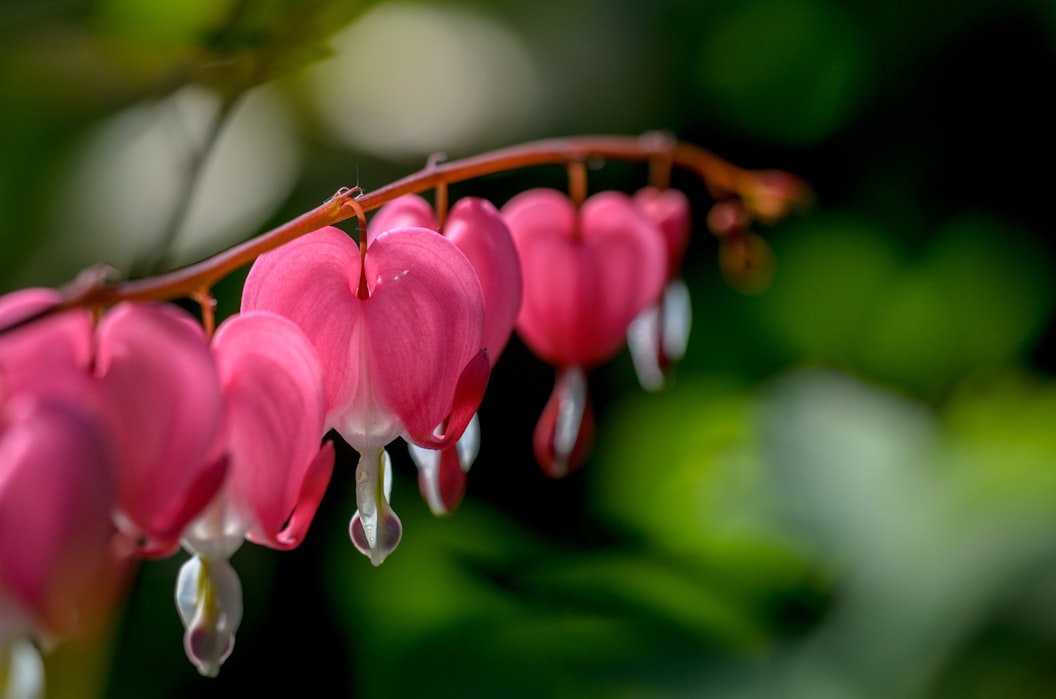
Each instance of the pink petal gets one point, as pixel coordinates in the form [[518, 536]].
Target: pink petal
[[316, 479], [273, 386], [48, 355], [312, 281], [422, 328], [586, 277], [164, 411], [669, 210], [407, 211], [477, 228], [565, 431], [56, 496]]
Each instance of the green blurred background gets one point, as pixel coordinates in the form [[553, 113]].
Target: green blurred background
[[849, 491]]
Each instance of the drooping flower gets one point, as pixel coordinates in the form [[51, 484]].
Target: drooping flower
[[146, 374], [56, 497], [398, 331], [658, 336], [477, 229], [277, 473], [588, 273], [161, 404]]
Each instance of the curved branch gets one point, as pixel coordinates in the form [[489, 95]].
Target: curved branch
[[768, 193]]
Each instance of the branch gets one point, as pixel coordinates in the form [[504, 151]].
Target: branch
[[767, 194]]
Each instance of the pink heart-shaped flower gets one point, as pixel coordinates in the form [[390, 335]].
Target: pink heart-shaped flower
[[395, 362], [587, 273]]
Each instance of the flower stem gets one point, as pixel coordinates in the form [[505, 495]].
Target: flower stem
[[719, 176]]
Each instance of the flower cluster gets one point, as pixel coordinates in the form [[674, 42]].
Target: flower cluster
[[128, 430]]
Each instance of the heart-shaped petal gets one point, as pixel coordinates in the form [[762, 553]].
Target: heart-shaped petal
[[475, 226], [273, 390], [587, 273], [392, 361], [164, 413]]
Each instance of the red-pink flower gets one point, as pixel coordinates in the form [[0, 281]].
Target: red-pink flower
[[147, 377], [56, 496], [399, 336], [274, 402], [277, 473], [477, 229], [161, 403], [658, 336], [588, 272]]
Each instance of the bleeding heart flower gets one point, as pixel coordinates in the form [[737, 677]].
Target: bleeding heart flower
[[56, 496], [588, 273], [477, 229], [398, 331], [147, 374], [161, 403], [277, 473], [658, 336]]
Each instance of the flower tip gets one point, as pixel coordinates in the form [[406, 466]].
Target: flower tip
[[209, 601], [208, 649], [565, 431], [376, 545], [442, 473]]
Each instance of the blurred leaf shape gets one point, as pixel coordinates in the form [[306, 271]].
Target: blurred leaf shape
[[787, 72], [978, 296], [923, 556]]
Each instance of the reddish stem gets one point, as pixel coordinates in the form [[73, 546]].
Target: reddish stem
[[720, 177]]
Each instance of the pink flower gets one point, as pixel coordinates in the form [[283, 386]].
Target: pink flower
[[398, 332], [161, 403], [272, 386], [658, 336], [477, 229], [146, 376], [588, 273], [56, 496], [277, 473]]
